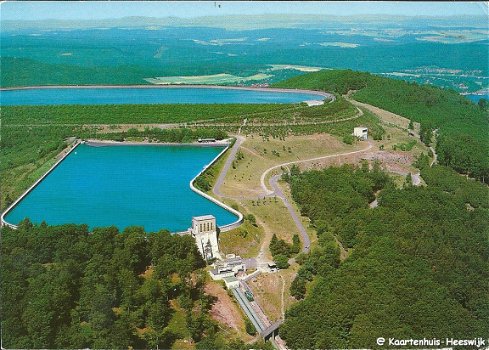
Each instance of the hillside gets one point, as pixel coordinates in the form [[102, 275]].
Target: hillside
[[462, 127], [419, 266]]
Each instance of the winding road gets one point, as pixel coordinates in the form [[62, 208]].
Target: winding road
[[306, 241], [276, 190]]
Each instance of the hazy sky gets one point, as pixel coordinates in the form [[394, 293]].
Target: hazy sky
[[31, 10]]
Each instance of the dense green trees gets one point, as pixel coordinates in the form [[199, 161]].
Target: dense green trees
[[462, 141], [180, 135], [63, 287], [133, 114], [281, 250], [419, 267]]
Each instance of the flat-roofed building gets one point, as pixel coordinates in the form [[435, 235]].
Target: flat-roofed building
[[227, 267], [361, 132]]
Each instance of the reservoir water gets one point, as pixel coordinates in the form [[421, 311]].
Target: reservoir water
[[144, 185], [475, 97], [150, 95]]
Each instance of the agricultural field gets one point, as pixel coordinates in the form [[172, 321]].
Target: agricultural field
[[214, 79], [448, 53]]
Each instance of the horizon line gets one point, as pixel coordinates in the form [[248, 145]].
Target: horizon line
[[250, 15]]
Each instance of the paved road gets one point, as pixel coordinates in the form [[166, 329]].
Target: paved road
[[232, 155], [265, 173], [306, 242]]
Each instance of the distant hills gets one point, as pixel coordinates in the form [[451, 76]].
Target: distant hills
[[243, 22]]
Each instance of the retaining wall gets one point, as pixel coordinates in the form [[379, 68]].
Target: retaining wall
[[2, 221], [227, 227], [223, 228]]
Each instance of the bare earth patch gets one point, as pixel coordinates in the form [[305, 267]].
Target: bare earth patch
[[225, 311], [267, 291]]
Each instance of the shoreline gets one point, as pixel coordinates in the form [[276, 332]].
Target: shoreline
[[108, 143], [171, 86]]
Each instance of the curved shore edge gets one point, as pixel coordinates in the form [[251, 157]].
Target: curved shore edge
[[232, 225], [173, 86], [98, 143], [12, 206]]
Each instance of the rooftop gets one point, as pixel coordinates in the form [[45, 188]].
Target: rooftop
[[203, 217], [230, 279]]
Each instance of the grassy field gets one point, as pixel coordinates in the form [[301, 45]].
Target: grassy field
[[262, 152], [267, 291], [214, 79], [243, 241]]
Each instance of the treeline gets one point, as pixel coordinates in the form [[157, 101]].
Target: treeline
[[180, 135], [419, 265], [63, 287], [282, 251], [131, 113], [461, 126]]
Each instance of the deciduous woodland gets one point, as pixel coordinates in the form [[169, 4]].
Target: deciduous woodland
[[419, 262], [63, 287]]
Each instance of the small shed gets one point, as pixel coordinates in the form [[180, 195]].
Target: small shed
[[361, 132]]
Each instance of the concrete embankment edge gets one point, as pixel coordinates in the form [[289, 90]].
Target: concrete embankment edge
[[193, 188], [17, 201], [232, 225]]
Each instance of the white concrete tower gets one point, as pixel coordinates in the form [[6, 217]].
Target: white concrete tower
[[204, 231]]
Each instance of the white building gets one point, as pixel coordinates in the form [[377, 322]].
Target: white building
[[361, 132], [204, 230], [227, 268]]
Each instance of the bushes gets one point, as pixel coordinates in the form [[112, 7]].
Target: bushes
[[282, 251], [250, 329], [348, 139], [281, 261]]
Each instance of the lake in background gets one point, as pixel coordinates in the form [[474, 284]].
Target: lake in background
[[151, 95], [123, 186], [475, 98]]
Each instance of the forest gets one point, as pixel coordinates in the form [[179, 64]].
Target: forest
[[417, 265], [457, 127], [63, 287], [132, 113]]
